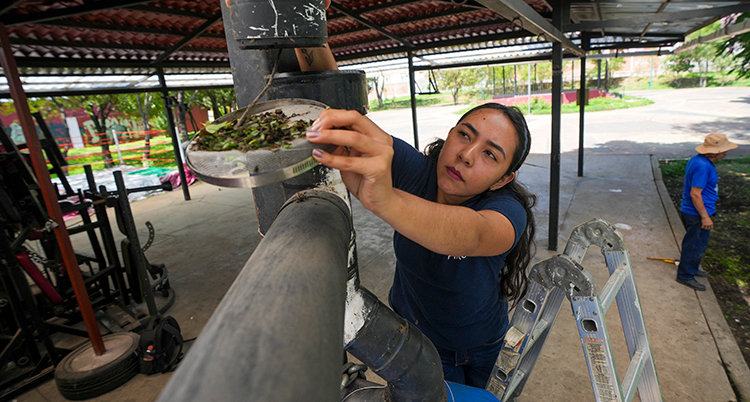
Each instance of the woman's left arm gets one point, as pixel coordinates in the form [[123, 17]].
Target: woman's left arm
[[365, 166]]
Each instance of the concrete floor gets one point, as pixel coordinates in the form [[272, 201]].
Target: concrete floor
[[206, 241]]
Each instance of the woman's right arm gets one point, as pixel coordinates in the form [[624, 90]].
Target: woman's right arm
[[315, 58]]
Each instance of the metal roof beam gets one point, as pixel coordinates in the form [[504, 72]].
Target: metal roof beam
[[121, 28], [427, 17], [48, 62], [435, 30], [531, 21], [106, 91], [470, 39], [103, 45], [57, 13], [663, 17], [723, 33], [177, 46], [9, 5], [356, 16]]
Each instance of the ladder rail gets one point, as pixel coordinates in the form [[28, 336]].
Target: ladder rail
[[634, 326], [563, 276]]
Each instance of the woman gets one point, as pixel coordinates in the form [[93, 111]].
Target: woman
[[464, 226]]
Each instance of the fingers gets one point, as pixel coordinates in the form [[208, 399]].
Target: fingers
[[349, 119], [367, 165]]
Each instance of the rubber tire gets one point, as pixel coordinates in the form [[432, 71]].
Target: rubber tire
[[77, 385]]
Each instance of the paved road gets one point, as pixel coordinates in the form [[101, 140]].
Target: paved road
[[671, 127]]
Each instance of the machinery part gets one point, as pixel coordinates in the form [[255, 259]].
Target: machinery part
[[151, 235], [397, 351], [278, 23], [281, 320], [259, 167], [84, 375], [339, 89]]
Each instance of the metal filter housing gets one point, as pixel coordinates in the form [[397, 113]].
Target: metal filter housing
[[259, 167]]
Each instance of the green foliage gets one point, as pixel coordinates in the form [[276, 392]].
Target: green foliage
[[78, 158], [675, 168], [456, 79], [738, 47], [540, 106]]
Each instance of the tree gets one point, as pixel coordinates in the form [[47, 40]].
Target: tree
[[738, 47], [220, 101], [144, 107], [377, 83], [455, 79], [99, 107]]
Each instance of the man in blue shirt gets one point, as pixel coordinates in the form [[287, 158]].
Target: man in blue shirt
[[700, 192]]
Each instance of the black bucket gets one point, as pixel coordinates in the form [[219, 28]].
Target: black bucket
[[338, 89], [263, 24]]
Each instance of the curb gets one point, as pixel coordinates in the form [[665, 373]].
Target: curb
[[729, 352]]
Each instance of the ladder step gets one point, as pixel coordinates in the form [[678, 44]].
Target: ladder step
[[611, 288], [633, 375]]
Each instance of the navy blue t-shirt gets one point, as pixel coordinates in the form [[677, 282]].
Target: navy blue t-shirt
[[454, 300]]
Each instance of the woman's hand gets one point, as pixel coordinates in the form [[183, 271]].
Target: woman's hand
[[365, 163]]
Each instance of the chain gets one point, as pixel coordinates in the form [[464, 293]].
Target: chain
[[34, 256], [351, 372]]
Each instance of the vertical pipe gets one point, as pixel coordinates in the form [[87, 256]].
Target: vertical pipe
[[48, 192], [413, 99], [173, 133], [503, 80], [606, 75], [583, 99], [493, 81], [554, 178], [528, 84], [651, 74], [599, 73]]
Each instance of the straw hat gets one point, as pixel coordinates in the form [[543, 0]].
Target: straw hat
[[715, 144]]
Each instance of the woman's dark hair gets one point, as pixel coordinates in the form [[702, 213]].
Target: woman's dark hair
[[514, 281]]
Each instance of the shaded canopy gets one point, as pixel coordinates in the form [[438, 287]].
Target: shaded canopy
[[108, 37]]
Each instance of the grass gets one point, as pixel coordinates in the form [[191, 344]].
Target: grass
[[728, 253], [161, 148], [691, 80], [539, 106]]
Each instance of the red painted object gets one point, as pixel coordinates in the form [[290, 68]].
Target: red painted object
[[38, 278]]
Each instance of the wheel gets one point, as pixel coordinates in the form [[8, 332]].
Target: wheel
[[84, 375]]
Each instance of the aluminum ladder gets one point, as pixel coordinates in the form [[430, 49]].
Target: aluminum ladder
[[563, 276]]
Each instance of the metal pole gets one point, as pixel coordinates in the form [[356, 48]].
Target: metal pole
[[117, 145], [413, 99], [651, 75], [277, 334], [583, 99], [173, 133], [48, 192], [528, 84], [554, 178]]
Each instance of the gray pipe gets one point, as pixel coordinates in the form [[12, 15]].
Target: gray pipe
[[276, 335], [397, 351]]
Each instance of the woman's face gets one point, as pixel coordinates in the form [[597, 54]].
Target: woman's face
[[476, 154]]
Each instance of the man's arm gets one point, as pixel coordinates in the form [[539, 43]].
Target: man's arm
[[696, 195]]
